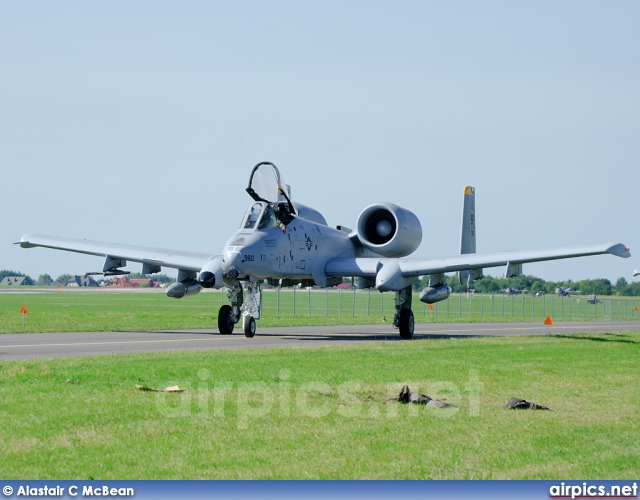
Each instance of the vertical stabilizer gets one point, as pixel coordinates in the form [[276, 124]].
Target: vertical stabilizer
[[468, 234]]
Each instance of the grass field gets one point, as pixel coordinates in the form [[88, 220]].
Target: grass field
[[322, 412], [114, 311]]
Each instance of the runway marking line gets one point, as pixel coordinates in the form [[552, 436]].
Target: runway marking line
[[109, 343], [289, 337]]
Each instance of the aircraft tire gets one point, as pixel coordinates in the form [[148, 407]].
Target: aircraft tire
[[225, 325], [407, 324], [250, 328]]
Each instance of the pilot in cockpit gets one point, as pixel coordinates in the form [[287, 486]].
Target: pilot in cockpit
[[268, 219], [283, 214]]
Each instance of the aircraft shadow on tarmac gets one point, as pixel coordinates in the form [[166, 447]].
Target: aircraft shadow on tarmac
[[334, 336], [338, 336], [382, 336], [182, 332]]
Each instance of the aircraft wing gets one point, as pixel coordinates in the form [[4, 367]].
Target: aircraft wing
[[154, 257], [409, 266]]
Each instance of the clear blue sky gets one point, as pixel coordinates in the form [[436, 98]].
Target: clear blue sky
[[139, 122]]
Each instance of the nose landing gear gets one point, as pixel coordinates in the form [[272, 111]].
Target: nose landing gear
[[249, 325], [249, 301]]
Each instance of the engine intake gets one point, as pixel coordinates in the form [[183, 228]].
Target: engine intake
[[389, 230]]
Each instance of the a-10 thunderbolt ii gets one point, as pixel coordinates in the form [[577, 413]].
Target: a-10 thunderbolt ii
[[287, 244]]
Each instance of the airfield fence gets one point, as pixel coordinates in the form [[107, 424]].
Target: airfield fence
[[461, 306]]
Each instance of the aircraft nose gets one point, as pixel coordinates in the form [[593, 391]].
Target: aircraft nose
[[232, 263], [238, 257]]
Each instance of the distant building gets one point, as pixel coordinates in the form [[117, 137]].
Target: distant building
[[344, 286], [82, 281], [145, 282], [119, 282], [14, 281], [133, 283]]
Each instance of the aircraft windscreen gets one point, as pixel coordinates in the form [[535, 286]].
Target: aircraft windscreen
[[259, 216], [253, 215]]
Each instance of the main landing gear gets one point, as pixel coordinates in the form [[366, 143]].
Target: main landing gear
[[245, 305], [403, 317], [226, 319]]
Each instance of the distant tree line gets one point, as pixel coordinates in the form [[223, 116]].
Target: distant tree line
[[488, 284], [46, 279], [532, 284]]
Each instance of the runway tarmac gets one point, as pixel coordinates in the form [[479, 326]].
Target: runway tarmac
[[58, 345]]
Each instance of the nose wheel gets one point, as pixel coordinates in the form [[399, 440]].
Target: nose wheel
[[249, 325]]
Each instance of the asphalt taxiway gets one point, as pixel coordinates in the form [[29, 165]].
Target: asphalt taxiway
[[70, 344]]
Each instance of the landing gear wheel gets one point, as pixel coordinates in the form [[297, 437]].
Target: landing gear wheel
[[406, 324], [250, 327], [225, 325]]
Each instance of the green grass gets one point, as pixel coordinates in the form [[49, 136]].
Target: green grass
[[322, 412], [113, 311]]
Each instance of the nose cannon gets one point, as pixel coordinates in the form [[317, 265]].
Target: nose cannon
[[231, 263]]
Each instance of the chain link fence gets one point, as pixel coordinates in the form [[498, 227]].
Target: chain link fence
[[462, 306]]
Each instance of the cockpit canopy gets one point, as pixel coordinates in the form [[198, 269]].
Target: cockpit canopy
[[272, 195], [266, 184], [272, 205]]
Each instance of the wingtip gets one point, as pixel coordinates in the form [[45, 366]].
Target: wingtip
[[619, 250], [24, 242]]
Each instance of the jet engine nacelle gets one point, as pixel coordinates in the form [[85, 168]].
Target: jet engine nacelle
[[389, 230]]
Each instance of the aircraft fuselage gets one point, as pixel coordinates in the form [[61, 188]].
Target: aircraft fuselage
[[299, 250]]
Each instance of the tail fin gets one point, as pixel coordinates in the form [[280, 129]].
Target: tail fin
[[468, 235]]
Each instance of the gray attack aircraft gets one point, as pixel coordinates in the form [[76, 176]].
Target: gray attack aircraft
[[289, 244]]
